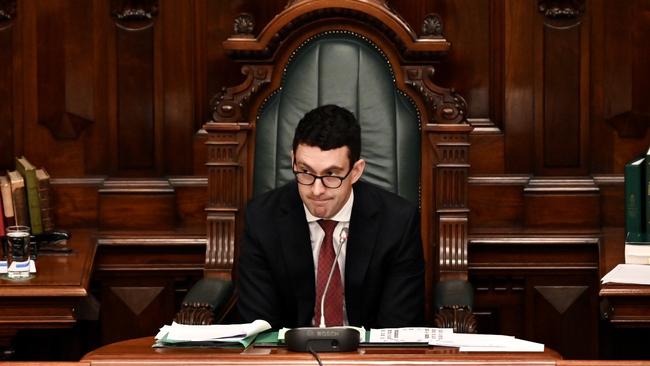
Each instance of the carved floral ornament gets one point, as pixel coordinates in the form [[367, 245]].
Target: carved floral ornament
[[432, 26], [244, 25], [7, 10], [561, 9], [137, 11]]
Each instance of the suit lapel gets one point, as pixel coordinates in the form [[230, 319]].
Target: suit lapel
[[297, 253], [364, 228]]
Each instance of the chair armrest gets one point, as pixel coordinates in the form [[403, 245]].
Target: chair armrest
[[206, 299]]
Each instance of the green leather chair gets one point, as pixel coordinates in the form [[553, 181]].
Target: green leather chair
[[348, 70]]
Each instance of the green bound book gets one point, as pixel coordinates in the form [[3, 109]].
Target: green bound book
[[635, 197], [28, 171]]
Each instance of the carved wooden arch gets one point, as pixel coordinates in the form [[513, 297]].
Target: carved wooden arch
[[444, 139]]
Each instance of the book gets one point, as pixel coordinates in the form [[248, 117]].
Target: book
[[635, 200], [19, 198], [646, 191], [7, 201], [637, 250], [45, 199], [28, 171], [2, 217]]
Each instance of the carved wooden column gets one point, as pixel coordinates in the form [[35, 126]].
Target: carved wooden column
[[448, 133], [227, 163]]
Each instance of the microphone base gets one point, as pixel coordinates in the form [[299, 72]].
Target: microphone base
[[335, 339]]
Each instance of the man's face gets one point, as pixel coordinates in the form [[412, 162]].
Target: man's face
[[321, 201]]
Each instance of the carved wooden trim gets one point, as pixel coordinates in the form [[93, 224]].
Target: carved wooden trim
[[561, 9], [378, 2], [7, 10], [374, 13], [460, 318], [445, 105], [432, 26], [450, 143], [66, 126], [244, 25], [134, 14], [220, 249], [195, 314], [228, 105]]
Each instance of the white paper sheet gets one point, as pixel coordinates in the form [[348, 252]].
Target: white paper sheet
[[637, 274]]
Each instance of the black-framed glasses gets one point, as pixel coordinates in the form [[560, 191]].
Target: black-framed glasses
[[329, 181]]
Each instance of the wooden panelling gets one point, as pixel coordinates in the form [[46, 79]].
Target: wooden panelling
[[561, 89], [104, 90], [64, 46], [7, 77], [519, 80], [137, 204], [136, 144], [538, 288], [496, 202]]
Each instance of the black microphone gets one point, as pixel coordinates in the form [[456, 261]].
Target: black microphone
[[324, 339]]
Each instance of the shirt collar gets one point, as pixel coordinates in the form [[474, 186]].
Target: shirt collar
[[342, 216]]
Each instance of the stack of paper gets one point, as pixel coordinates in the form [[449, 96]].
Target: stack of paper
[[487, 343], [408, 335], [636, 274], [180, 335]]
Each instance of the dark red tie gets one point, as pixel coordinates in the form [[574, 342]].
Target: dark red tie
[[334, 296]]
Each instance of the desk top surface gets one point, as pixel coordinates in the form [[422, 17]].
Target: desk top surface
[[58, 275], [139, 350]]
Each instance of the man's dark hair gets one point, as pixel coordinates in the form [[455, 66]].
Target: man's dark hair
[[329, 127]]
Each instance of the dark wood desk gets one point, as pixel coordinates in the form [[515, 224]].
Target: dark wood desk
[[626, 305], [49, 298], [139, 352]]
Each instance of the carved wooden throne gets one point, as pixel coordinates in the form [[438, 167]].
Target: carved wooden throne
[[240, 114]]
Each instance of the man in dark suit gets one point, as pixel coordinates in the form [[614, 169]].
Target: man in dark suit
[[328, 234]]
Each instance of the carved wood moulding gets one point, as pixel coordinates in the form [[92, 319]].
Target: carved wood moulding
[[244, 25], [445, 105], [561, 9], [432, 26], [134, 14], [382, 18], [228, 104], [7, 11]]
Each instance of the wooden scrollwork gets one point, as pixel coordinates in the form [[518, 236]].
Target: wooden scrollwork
[[432, 26], [195, 314], [446, 106], [244, 25], [134, 14], [7, 10], [561, 9], [228, 104], [460, 318]]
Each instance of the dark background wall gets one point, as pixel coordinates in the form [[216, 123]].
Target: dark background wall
[[110, 97]]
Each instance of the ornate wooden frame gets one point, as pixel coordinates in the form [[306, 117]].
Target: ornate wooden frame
[[445, 131]]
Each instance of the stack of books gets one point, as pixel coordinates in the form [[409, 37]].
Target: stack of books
[[25, 198], [637, 210]]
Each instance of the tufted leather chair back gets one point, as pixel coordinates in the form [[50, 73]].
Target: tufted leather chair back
[[346, 69]]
